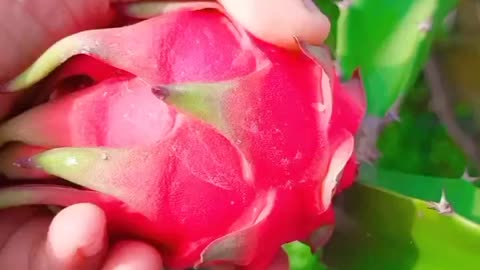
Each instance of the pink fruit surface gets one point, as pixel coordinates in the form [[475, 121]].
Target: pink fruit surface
[[215, 146]]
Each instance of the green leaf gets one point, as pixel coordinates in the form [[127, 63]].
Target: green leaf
[[330, 9], [463, 196], [430, 149], [389, 41], [302, 258], [380, 228]]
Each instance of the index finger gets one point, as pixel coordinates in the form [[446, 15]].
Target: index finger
[[279, 21]]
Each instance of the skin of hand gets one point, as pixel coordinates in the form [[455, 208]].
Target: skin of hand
[[32, 238], [76, 238]]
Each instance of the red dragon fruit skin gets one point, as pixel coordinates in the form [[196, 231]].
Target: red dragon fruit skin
[[194, 135]]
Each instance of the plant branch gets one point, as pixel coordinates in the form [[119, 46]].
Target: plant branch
[[443, 108]]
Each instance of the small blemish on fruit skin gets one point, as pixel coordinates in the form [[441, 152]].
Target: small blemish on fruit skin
[[320, 107], [105, 156], [289, 185], [71, 161], [254, 128], [284, 162]]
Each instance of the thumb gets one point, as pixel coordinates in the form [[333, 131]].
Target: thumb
[[279, 21], [27, 28], [76, 239]]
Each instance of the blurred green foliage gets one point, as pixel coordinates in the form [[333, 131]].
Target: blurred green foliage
[[419, 143], [385, 39], [385, 221], [330, 8], [302, 258], [380, 229], [389, 41]]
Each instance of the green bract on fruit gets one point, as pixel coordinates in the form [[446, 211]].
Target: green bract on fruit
[[189, 132]]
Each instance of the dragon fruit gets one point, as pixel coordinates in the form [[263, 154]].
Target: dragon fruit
[[190, 133]]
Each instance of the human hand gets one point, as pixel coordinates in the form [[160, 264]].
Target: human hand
[[76, 238]]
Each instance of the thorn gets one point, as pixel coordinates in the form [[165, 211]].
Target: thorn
[[450, 19], [443, 206], [425, 26], [467, 177], [392, 116], [344, 4]]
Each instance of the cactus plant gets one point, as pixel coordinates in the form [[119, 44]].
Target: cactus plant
[[391, 220]]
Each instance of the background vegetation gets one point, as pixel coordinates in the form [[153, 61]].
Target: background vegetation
[[417, 205]]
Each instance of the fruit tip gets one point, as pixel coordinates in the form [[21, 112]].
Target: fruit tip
[[26, 163], [66, 162], [161, 91]]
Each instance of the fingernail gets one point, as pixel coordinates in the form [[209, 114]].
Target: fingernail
[[310, 5]]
